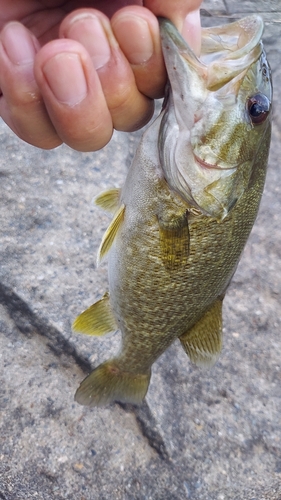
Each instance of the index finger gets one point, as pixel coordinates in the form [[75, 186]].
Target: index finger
[[175, 10], [184, 14]]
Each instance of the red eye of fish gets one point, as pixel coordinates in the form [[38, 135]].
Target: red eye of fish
[[258, 108]]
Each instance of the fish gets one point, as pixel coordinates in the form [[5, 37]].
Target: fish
[[188, 204]]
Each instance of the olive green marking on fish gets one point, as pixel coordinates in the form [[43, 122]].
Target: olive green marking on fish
[[174, 242], [232, 145], [109, 200], [97, 320], [203, 342], [107, 383], [111, 233]]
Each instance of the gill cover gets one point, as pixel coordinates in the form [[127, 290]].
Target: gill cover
[[209, 133]]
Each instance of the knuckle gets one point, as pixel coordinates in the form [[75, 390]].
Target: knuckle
[[87, 137]]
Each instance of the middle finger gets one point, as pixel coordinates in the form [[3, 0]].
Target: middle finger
[[129, 108]]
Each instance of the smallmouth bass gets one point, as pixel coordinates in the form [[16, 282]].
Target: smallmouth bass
[[184, 214]]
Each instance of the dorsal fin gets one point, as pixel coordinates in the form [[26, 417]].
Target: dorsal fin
[[109, 200], [97, 319], [203, 342], [110, 233]]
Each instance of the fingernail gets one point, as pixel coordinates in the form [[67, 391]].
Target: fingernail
[[18, 44], [191, 31], [65, 76], [135, 30], [88, 30]]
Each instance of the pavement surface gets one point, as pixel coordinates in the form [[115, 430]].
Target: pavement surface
[[201, 435]]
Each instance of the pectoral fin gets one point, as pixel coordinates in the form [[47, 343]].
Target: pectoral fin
[[97, 319], [110, 233], [203, 342], [174, 242], [109, 200]]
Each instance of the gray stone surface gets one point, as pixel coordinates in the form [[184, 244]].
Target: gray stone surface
[[202, 435]]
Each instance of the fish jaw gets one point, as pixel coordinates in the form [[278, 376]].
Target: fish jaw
[[207, 141]]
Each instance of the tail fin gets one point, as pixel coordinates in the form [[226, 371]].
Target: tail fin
[[107, 383]]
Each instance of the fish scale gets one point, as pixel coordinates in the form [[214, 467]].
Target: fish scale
[[181, 220]]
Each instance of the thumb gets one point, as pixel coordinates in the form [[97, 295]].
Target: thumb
[[185, 15]]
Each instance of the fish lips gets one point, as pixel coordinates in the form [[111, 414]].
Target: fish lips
[[227, 51]]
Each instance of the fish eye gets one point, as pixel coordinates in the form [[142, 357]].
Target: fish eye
[[258, 108]]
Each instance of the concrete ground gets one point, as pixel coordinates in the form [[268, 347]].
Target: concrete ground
[[201, 435]]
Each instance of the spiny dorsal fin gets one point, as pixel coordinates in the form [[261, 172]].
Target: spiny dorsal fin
[[97, 319], [110, 233], [203, 342], [109, 200], [174, 242]]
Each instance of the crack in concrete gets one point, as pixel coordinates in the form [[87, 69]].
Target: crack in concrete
[[225, 5], [29, 323], [148, 427]]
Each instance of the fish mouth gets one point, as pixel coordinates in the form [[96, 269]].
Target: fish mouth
[[227, 51], [212, 166]]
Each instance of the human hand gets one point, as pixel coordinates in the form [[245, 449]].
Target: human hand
[[72, 76]]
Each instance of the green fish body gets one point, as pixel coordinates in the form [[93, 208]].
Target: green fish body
[[186, 210]]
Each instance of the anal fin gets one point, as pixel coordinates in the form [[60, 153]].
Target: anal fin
[[203, 342], [111, 233], [97, 320]]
